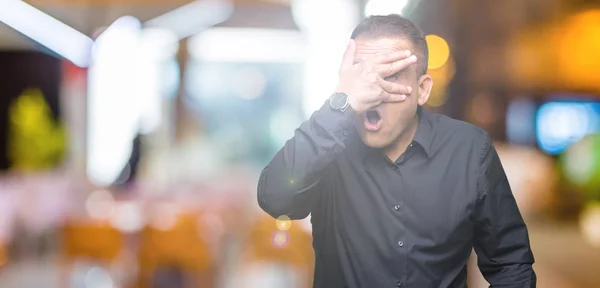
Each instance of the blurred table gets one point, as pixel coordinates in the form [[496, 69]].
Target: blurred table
[[563, 258], [561, 248]]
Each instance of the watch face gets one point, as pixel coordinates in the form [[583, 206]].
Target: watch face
[[338, 100]]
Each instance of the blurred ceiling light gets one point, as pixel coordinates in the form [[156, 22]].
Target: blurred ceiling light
[[113, 116], [326, 42], [385, 7], [439, 52], [247, 45], [117, 27], [159, 43], [314, 16], [46, 30], [189, 19]]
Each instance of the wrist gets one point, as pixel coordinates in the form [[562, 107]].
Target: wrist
[[339, 101]]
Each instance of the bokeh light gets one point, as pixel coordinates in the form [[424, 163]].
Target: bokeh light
[[283, 222], [578, 49], [439, 51], [128, 217], [581, 165], [164, 216], [590, 224], [98, 277], [280, 239], [441, 77], [560, 124], [100, 205]]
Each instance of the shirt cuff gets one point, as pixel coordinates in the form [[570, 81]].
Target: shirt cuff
[[334, 121]]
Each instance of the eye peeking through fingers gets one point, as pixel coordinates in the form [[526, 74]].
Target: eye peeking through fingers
[[391, 78], [394, 77]]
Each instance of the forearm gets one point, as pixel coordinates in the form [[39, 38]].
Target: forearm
[[288, 184], [501, 237], [511, 276]]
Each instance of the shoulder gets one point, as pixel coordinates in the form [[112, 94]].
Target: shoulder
[[456, 133]]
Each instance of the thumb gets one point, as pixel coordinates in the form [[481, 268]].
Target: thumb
[[348, 60]]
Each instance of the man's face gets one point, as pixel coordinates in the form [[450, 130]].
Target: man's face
[[394, 118]]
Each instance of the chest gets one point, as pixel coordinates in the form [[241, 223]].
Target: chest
[[433, 197]]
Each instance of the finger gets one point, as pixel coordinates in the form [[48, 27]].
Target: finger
[[394, 88], [391, 97], [348, 59], [386, 58], [390, 69]]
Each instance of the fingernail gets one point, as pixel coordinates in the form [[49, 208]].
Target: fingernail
[[407, 52], [413, 58], [402, 97], [409, 89]]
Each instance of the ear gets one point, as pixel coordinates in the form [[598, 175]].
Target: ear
[[425, 84]]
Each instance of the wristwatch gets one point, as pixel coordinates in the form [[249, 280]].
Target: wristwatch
[[339, 101]]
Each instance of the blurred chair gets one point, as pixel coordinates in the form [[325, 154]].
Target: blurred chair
[[179, 247], [283, 252], [3, 257], [95, 241]]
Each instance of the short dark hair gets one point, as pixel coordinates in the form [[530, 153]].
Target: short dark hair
[[394, 25]]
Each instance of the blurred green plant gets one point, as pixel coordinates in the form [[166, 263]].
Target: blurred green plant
[[580, 164], [36, 141]]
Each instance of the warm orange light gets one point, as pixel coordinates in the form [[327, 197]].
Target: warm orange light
[[561, 56], [439, 52], [283, 222], [579, 61], [441, 79]]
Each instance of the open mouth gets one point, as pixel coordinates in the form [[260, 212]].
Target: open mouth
[[372, 120]]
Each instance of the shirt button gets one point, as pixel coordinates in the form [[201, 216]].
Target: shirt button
[[345, 133], [397, 207], [400, 243], [399, 283], [394, 167]]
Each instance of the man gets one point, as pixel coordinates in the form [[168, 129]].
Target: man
[[398, 196]]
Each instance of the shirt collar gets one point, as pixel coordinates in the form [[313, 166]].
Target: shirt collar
[[423, 135], [424, 132]]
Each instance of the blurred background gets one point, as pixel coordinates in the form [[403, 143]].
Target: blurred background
[[132, 132]]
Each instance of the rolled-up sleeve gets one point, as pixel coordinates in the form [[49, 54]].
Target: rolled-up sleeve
[[501, 237], [291, 183]]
